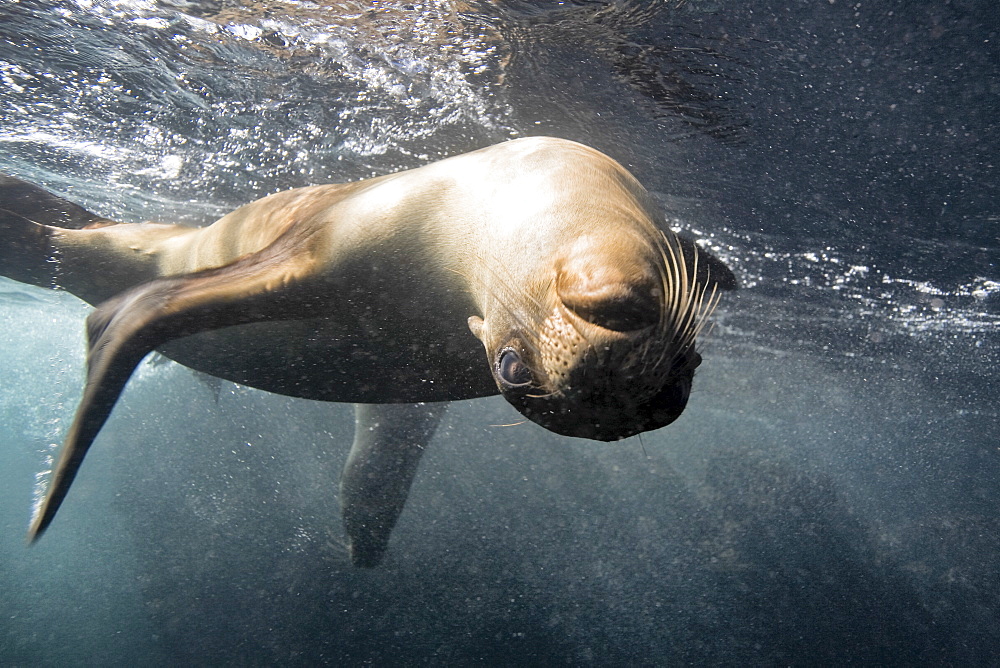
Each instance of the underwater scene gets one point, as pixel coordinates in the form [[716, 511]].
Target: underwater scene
[[830, 493]]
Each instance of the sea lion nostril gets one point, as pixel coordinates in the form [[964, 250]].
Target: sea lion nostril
[[620, 295], [617, 307]]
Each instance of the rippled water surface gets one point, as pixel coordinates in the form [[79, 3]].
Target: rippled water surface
[[829, 495]]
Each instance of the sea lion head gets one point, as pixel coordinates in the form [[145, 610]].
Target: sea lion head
[[607, 349]]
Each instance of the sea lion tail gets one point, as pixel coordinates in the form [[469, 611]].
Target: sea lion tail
[[113, 353], [28, 216], [123, 330]]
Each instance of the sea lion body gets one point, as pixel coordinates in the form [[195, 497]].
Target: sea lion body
[[547, 250], [413, 229]]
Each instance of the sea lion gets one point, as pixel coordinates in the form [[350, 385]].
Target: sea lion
[[549, 251]]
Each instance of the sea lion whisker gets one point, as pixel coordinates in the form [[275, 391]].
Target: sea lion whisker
[[646, 356], [693, 296], [460, 273], [338, 544], [510, 424], [683, 288], [547, 395], [705, 309], [661, 270], [691, 332], [693, 304], [676, 298], [689, 324], [667, 279], [21, 216], [679, 284]]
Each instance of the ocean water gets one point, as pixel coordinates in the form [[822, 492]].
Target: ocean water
[[830, 494]]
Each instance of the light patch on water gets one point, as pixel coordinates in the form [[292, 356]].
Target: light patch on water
[[839, 302], [42, 479], [226, 107], [301, 537], [94, 149], [169, 167], [980, 288], [48, 428], [914, 306], [9, 75], [43, 342], [151, 22]]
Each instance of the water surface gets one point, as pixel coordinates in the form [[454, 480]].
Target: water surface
[[829, 495]]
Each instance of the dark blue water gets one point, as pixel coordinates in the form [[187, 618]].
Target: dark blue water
[[831, 493]]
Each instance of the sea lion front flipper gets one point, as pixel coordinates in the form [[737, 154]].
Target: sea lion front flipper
[[123, 330], [388, 442], [708, 269]]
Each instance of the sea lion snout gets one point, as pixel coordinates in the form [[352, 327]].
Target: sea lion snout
[[613, 296], [615, 356]]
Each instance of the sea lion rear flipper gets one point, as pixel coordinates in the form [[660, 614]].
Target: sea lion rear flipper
[[123, 330], [42, 207], [388, 442], [27, 215]]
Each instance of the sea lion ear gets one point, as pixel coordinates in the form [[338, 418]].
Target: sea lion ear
[[476, 326], [711, 270]]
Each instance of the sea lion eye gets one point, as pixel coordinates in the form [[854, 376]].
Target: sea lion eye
[[512, 370]]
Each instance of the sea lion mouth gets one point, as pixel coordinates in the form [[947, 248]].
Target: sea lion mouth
[[608, 416]]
